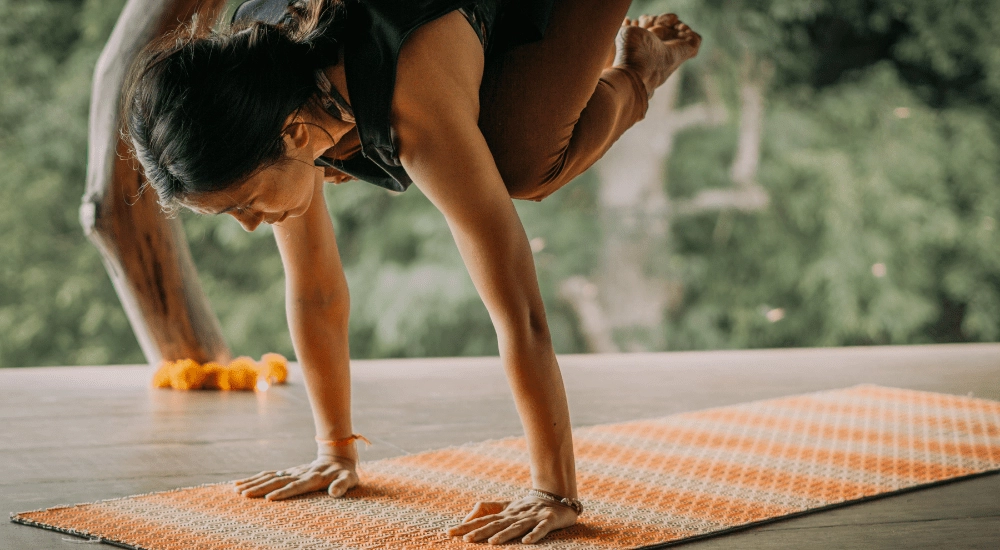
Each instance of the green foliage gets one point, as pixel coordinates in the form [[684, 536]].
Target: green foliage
[[854, 187], [56, 305], [881, 156], [882, 170]]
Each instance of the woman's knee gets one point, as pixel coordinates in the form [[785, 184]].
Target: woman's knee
[[533, 178]]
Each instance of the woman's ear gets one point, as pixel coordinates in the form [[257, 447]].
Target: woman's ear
[[296, 133]]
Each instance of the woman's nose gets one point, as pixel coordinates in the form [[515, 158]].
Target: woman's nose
[[248, 220]]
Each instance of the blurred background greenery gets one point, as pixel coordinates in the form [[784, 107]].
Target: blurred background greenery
[[825, 173]]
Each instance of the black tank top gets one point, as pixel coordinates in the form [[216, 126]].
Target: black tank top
[[376, 30]]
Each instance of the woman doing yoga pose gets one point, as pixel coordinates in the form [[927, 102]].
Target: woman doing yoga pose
[[474, 101]]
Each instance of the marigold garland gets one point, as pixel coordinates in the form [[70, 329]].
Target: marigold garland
[[242, 373]]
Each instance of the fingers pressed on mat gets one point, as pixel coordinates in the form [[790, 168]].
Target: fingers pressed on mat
[[537, 533], [489, 530], [470, 526], [253, 478], [264, 487], [298, 487], [477, 511], [261, 483], [513, 531], [340, 485], [485, 509]]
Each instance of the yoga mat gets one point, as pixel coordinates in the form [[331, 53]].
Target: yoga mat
[[645, 483]]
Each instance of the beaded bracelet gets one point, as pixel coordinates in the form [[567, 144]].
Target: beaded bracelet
[[571, 503], [343, 442]]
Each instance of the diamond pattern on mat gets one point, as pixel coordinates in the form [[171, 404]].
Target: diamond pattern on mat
[[644, 482]]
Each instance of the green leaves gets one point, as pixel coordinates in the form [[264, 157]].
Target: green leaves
[[880, 153], [56, 304], [881, 228]]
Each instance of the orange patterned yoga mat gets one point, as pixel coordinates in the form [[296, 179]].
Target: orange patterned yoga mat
[[644, 483]]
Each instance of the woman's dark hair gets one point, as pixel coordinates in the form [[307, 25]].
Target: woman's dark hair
[[205, 109]]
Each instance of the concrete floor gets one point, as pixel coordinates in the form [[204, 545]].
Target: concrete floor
[[77, 434]]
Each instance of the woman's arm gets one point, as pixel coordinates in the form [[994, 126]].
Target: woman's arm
[[435, 113], [317, 307], [317, 304]]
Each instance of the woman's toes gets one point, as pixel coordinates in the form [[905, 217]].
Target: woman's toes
[[657, 52], [669, 19]]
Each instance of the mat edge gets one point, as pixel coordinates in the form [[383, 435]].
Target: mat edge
[[14, 515], [810, 511], [81, 534]]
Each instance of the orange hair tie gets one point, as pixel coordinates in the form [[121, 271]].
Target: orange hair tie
[[343, 442]]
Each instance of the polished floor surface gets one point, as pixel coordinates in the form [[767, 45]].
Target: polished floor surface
[[76, 434]]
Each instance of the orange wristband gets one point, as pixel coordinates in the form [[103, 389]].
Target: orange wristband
[[343, 442]]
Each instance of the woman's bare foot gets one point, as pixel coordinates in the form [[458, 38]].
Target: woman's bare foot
[[654, 46]]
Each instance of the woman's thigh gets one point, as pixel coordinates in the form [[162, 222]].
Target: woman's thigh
[[532, 96]]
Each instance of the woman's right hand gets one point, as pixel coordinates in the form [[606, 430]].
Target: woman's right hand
[[332, 474]]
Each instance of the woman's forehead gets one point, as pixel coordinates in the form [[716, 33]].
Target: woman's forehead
[[261, 182], [216, 202]]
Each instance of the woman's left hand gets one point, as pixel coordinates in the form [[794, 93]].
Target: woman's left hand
[[498, 522]]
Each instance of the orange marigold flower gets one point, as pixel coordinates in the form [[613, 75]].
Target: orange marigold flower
[[242, 373], [161, 379], [187, 374], [274, 368], [213, 371]]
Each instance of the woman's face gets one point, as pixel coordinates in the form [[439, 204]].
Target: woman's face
[[280, 191], [284, 190]]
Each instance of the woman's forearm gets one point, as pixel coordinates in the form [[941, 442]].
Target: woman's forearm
[[321, 346], [317, 304], [540, 397]]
